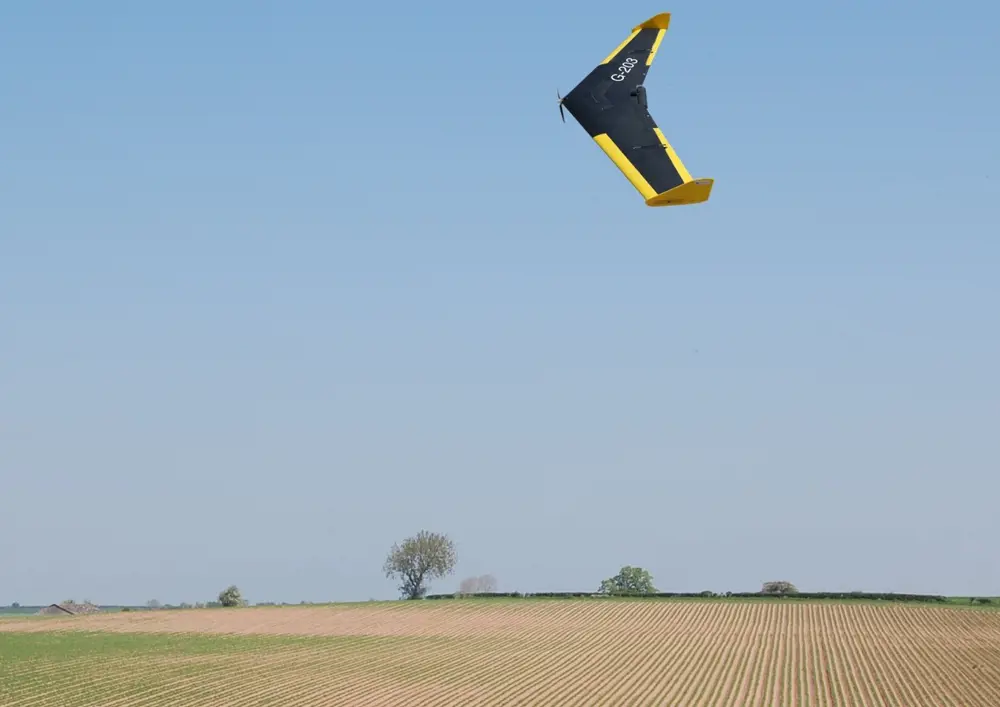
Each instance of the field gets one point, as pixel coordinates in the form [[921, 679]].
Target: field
[[497, 652]]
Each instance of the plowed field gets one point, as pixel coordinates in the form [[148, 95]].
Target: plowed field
[[525, 652]]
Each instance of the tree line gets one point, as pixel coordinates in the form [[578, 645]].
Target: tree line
[[418, 560]]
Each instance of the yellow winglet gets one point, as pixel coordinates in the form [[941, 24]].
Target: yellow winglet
[[694, 192], [661, 21], [658, 22]]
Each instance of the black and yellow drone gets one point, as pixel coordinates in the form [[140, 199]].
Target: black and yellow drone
[[610, 104]]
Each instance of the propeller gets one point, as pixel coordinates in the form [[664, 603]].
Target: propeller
[[561, 113]]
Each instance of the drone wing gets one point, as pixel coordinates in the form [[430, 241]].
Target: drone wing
[[610, 105]]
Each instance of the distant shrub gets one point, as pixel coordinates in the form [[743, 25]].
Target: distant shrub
[[231, 596], [629, 580], [484, 584], [779, 588]]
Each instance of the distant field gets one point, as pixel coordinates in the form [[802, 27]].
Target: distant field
[[486, 652]]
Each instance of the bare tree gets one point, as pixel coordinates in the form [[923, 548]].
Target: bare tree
[[419, 558], [484, 584]]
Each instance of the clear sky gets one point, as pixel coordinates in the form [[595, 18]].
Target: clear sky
[[282, 283]]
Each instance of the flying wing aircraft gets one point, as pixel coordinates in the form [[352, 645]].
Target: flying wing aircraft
[[610, 104]]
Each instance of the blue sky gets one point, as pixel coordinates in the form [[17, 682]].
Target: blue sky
[[281, 284]]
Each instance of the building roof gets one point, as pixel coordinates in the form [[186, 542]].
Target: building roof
[[69, 609]]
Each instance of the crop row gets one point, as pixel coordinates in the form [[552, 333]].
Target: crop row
[[492, 653], [870, 596]]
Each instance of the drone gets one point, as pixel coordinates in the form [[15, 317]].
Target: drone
[[610, 104]]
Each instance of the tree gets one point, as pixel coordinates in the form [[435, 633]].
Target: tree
[[778, 588], [483, 584], [424, 556], [153, 604], [231, 597], [629, 580]]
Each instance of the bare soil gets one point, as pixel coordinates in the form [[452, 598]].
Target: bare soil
[[596, 651]]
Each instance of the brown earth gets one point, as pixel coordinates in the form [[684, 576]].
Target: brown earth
[[562, 652]]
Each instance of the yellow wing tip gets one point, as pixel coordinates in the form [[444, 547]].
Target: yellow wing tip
[[661, 21], [694, 192]]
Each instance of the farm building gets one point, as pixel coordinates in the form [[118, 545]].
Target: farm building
[[68, 609]]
